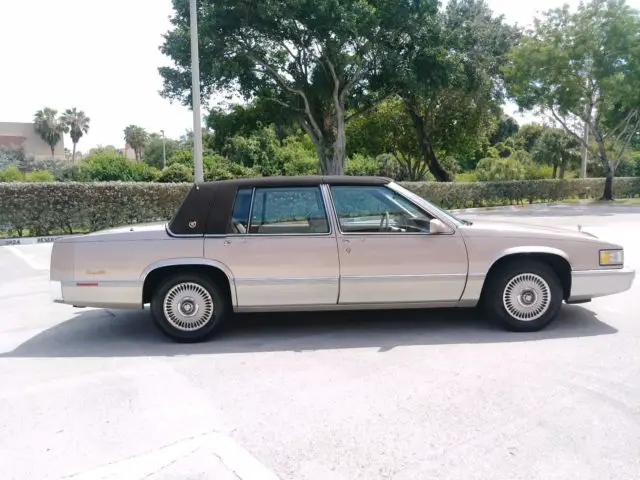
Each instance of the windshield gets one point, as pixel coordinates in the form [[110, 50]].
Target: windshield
[[428, 205]]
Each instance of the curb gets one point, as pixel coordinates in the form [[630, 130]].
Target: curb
[[4, 242], [526, 206]]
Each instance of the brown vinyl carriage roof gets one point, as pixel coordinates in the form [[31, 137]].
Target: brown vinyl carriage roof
[[207, 207]]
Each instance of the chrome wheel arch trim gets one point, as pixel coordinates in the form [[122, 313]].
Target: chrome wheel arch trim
[[529, 249], [193, 261]]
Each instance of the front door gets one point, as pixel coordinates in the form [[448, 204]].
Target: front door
[[387, 254], [279, 248]]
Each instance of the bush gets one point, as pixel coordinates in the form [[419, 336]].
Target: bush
[[108, 166], [39, 176], [537, 172], [499, 169], [47, 208], [361, 165], [222, 169], [462, 195], [176, 173], [466, 177], [11, 174]]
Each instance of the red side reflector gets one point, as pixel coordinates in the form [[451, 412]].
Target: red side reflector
[[86, 284]]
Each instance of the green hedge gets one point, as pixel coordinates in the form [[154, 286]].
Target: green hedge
[[479, 194], [48, 208], [54, 208]]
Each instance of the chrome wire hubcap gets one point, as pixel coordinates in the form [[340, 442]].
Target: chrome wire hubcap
[[526, 297], [188, 306]]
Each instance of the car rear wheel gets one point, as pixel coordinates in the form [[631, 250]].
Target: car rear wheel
[[523, 296], [189, 308]]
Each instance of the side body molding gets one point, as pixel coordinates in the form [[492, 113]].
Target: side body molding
[[475, 280], [173, 262]]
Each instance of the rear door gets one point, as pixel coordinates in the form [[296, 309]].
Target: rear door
[[280, 248]]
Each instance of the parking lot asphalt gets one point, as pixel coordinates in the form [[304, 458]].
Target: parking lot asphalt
[[435, 394]]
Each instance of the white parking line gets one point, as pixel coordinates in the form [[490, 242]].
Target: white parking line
[[29, 259], [244, 465]]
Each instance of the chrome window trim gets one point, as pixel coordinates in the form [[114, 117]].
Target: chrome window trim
[[393, 234], [182, 235], [325, 206], [253, 198], [233, 207]]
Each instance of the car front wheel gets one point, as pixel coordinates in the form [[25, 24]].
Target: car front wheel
[[188, 308], [524, 296]]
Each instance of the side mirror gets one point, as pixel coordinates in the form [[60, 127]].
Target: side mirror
[[437, 226]]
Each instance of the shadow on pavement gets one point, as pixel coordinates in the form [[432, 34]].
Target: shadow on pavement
[[101, 333]]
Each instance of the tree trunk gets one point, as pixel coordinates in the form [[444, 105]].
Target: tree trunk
[[53, 150], [330, 154], [608, 186], [555, 170], [336, 166], [73, 155], [426, 147], [562, 169], [606, 165]]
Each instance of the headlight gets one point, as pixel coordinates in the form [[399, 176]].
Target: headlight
[[611, 257]]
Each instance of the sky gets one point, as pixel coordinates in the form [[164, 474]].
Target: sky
[[102, 57]]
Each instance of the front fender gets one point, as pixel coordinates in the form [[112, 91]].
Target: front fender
[[475, 280]]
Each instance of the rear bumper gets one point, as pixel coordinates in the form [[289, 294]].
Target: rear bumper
[[587, 284], [126, 295]]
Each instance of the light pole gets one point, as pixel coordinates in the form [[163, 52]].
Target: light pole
[[195, 94], [164, 149]]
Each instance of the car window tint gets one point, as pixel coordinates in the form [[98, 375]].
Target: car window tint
[[377, 209], [239, 222], [286, 211]]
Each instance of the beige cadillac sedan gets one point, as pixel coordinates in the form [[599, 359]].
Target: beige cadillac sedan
[[329, 243]]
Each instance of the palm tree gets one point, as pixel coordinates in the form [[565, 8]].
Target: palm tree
[[49, 127], [77, 124], [136, 137]]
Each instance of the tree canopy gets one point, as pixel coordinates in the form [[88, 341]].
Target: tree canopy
[[583, 68], [314, 58]]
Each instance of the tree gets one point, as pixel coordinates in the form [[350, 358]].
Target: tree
[[157, 149], [77, 124], [557, 148], [136, 137], [446, 69], [387, 128], [507, 127], [49, 127], [583, 68], [246, 119], [316, 59], [528, 134]]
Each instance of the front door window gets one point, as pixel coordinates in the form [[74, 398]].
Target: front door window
[[377, 209]]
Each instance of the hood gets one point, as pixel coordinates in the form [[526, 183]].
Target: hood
[[143, 231], [519, 230]]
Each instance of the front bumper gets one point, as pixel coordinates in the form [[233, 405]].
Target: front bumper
[[588, 284]]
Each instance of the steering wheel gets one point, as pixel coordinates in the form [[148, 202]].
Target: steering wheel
[[384, 222]]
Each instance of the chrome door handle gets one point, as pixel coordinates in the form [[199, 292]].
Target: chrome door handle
[[346, 240], [227, 242]]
